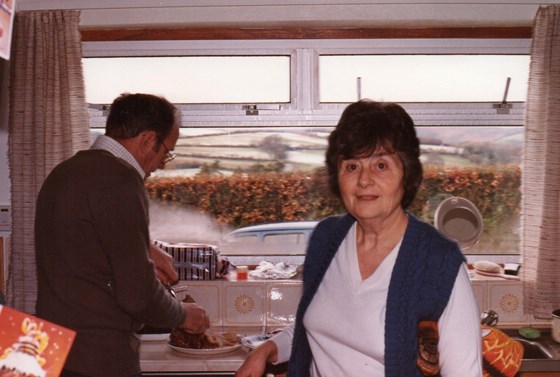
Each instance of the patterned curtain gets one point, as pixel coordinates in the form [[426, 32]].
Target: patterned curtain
[[48, 123], [541, 169]]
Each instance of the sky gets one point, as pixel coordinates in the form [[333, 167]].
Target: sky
[[243, 79]]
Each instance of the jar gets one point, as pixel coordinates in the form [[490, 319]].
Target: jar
[[242, 272]]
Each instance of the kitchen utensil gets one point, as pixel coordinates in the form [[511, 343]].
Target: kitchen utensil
[[459, 219], [171, 290]]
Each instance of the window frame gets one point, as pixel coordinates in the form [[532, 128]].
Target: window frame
[[304, 108]]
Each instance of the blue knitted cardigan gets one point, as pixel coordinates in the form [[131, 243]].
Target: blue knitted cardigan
[[421, 283]]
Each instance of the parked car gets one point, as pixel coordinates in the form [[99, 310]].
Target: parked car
[[284, 238]]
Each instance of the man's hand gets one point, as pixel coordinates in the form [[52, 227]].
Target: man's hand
[[196, 321], [163, 262]]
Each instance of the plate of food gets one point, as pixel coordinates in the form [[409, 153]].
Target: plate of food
[[204, 351], [211, 343]]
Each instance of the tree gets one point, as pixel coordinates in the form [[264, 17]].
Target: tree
[[212, 169], [275, 147]]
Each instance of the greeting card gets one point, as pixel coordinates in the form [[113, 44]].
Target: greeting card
[[30, 346]]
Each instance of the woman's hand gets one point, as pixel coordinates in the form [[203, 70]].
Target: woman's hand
[[163, 262], [255, 364]]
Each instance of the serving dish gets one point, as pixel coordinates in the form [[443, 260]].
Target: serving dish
[[204, 351]]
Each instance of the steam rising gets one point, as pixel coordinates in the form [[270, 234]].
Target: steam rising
[[175, 224]]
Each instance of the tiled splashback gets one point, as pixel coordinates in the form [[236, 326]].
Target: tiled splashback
[[256, 306], [506, 298]]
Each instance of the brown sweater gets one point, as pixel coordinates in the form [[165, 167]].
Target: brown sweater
[[94, 272]]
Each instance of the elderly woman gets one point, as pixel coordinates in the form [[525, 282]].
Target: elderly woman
[[373, 276]]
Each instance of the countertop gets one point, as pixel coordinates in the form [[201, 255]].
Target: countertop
[[157, 356]]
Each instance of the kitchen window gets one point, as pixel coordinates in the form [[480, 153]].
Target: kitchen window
[[248, 157], [191, 79], [424, 78]]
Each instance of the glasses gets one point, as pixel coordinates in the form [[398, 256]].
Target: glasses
[[168, 154]]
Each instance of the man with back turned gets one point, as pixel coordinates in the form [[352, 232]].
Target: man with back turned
[[97, 272]]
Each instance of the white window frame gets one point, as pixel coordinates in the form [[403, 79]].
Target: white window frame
[[304, 108]]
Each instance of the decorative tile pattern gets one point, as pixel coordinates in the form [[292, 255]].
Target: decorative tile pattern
[[244, 303], [257, 306], [506, 298]]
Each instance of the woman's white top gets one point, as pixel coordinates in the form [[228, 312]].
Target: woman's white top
[[345, 322]]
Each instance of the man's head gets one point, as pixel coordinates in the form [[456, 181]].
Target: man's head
[[146, 125]]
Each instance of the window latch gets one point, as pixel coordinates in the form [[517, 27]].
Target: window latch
[[504, 107], [250, 109]]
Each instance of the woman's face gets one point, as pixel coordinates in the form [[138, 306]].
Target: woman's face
[[372, 187]]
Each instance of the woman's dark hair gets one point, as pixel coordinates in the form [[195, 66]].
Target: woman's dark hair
[[132, 114], [365, 127]]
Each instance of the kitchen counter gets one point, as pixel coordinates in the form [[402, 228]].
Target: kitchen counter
[[158, 359]]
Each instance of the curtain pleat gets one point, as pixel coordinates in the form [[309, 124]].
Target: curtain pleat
[[48, 123], [541, 169]]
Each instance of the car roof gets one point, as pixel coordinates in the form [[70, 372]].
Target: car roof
[[283, 226]]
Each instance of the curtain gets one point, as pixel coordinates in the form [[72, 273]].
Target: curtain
[[541, 169], [48, 122]]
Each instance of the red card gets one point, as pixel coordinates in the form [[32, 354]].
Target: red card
[[30, 346]]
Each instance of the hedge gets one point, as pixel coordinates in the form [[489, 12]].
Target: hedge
[[247, 199]]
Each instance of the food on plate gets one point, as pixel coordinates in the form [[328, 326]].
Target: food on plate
[[208, 340], [181, 338]]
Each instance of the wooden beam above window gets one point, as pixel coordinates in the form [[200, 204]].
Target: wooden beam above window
[[154, 33]]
